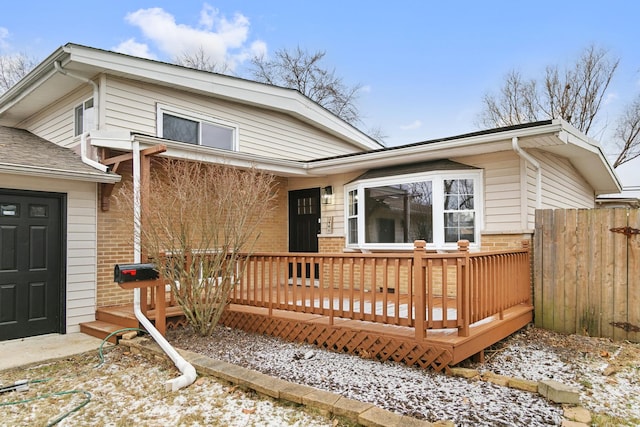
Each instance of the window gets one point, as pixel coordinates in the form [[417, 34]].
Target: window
[[83, 115], [192, 129], [459, 218], [440, 208], [352, 215]]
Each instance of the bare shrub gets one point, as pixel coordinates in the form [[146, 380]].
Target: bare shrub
[[198, 223]]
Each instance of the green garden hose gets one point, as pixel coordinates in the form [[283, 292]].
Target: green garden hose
[[68, 392]]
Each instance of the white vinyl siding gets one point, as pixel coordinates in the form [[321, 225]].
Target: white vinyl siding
[[132, 106], [81, 242], [56, 123], [562, 186], [501, 190]]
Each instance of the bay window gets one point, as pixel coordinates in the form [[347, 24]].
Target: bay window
[[392, 212]]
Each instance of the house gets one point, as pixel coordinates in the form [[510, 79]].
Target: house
[[83, 108]]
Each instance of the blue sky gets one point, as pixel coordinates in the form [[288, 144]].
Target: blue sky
[[424, 65]]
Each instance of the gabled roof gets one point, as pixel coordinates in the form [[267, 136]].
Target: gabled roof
[[24, 153], [20, 102]]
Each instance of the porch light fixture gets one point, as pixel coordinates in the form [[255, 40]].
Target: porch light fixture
[[327, 194]]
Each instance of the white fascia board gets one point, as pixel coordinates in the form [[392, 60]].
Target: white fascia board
[[41, 172], [239, 90], [178, 150], [587, 156], [477, 144]]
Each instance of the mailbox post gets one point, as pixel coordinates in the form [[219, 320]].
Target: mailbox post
[[143, 276]]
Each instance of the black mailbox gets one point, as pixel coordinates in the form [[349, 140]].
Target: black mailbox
[[134, 272]]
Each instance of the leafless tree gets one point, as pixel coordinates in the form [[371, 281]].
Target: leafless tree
[[517, 103], [13, 68], [574, 94], [302, 70], [628, 133], [200, 60], [205, 220]]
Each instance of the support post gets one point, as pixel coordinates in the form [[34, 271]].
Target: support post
[[465, 297], [419, 252], [526, 245]]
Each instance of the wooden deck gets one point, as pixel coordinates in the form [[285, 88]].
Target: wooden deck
[[441, 348], [424, 309]]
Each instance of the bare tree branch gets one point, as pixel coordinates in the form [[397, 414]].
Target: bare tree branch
[[628, 133], [301, 70], [517, 103], [13, 68], [578, 96], [574, 94], [205, 219], [200, 60]]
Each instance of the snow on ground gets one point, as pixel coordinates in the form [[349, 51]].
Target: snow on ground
[[128, 390], [531, 354]]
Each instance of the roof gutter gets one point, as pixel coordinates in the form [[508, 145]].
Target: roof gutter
[[524, 155], [96, 105], [58, 173]]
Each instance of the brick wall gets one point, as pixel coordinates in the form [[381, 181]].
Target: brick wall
[[273, 230], [331, 244], [115, 241], [115, 246], [497, 242]]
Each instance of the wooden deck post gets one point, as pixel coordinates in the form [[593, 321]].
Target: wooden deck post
[[527, 269], [419, 251], [465, 297]]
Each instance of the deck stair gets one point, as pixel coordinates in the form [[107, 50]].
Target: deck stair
[[111, 319]]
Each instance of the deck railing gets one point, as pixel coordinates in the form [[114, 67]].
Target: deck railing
[[420, 289]]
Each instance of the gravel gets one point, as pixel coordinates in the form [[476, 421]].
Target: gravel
[[532, 354]]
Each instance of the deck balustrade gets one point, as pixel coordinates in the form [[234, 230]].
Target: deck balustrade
[[422, 290]]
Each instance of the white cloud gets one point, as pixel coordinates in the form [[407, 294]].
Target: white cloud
[[4, 35], [208, 16], [223, 40], [610, 98], [132, 47], [416, 124]]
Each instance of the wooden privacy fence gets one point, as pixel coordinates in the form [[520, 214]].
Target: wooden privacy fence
[[587, 272], [420, 289]]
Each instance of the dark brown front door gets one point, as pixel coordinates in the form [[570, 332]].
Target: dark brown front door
[[31, 284], [304, 224]]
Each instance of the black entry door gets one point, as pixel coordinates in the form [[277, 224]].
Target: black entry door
[[304, 225], [30, 264]]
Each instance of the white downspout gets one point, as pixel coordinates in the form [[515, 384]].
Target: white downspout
[[96, 103], [86, 159], [188, 371], [523, 154]]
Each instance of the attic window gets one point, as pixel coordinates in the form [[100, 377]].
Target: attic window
[[194, 129], [83, 117]]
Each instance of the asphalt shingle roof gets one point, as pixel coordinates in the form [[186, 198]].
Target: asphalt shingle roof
[[22, 148]]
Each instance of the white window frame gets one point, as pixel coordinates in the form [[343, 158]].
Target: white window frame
[[437, 178], [88, 117], [196, 117]]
